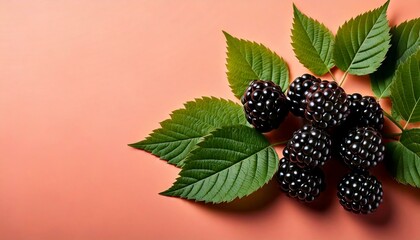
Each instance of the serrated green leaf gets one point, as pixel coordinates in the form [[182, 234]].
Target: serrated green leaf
[[247, 61], [178, 135], [362, 43], [405, 89], [395, 115], [404, 158], [405, 40], [312, 43], [230, 163]]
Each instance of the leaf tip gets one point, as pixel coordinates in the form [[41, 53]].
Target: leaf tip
[[385, 6], [227, 35], [134, 145], [296, 11], [167, 193]]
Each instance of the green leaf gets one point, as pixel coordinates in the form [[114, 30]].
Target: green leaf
[[395, 115], [312, 43], [178, 135], [247, 61], [404, 158], [405, 40], [361, 43], [230, 163], [405, 89], [381, 82]]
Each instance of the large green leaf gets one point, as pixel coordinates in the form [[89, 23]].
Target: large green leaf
[[404, 158], [230, 163], [405, 89], [312, 43], [361, 43], [247, 61], [405, 40], [178, 135]]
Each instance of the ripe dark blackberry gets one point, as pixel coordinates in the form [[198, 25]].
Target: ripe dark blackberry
[[309, 147], [265, 105], [360, 192], [362, 148], [365, 112], [303, 184], [327, 105], [298, 91]]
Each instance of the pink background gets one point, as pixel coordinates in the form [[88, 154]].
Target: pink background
[[81, 79]]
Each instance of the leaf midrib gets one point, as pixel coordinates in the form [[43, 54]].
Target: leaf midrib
[[370, 30], [412, 111], [408, 49], [402, 57], [312, 45], [210, 128], [238, 49], [224, 169], [410, 172], [166, 142], [384, 91], [411, 140]]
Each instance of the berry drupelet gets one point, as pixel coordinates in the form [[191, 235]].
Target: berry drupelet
[[362, 148], [359, 192], [327, 105], [303, 184], [298, 90], [309, 147], [265, 105], [365, 112]]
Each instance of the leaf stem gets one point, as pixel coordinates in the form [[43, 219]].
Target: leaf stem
[[332, 75], [393, 120], [383, 93], [343, 78], [392, 135], [279, 143], [411, 114]]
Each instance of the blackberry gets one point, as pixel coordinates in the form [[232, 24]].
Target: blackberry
[[265, 105], [309, 147], [327, 105], [299, 183], [360, 192], [365, 112], [362, 148], [298, 91]]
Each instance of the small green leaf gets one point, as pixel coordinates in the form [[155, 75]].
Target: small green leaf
[[405, 89], [232, 162], [381, 82], [361, 43], [247, 61], [405, 40], [178, 135], [312, 43], [404, 158]]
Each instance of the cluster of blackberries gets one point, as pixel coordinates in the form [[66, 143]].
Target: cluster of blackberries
[[353, 121]]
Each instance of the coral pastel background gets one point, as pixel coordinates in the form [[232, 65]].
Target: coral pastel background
[[81, 79]]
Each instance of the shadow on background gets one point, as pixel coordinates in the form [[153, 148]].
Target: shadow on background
[[257, 201], [334, 170]]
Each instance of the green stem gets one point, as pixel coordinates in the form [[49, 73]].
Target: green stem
[[332, 76], [392, 135], [411, 114], [343, 78], [393, 120], [279, 143]]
